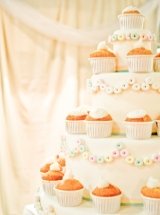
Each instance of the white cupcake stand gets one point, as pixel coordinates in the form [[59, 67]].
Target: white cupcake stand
[[86, 208]]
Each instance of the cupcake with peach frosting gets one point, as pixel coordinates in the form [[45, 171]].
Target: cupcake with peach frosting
[[156, 62], [140, 60], [102, 60], [131, 18], [138, 125], [106, 197], [74, 122], [58, 158], [51, 178], [70, 191], [99, 123], [69, 183], [151, 196]]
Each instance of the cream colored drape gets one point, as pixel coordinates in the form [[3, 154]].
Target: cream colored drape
[[41, 79]]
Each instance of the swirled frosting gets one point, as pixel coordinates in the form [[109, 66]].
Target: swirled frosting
[[153, 182], [98, 113], [136, 114], [79, 111], [68, 175], [102, 45], [102, 183], [55, 166]]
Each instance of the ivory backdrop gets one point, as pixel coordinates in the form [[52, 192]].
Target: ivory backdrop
[[44, 47]]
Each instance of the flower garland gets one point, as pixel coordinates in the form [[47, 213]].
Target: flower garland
[[132, 36], [119, 152], [131, 83]]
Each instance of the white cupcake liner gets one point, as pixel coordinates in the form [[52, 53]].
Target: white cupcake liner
[[107, 204], [138, 130], [48, 186], [140, 63], [69, 198], [156, 64], [103, 64], [151, 205], [75, 126], [158, 127], [99, 129], [131, 21]]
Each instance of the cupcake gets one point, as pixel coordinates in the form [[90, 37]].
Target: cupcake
[[158, 125], [102, 60], [156, 63], [138, 125], [140, 60], [99, 123], [131, 18], [74, 122], [151, 196], [106, 197], [52, 178], [70, 191]]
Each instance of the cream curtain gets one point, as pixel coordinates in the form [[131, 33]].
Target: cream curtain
[[43, 75]]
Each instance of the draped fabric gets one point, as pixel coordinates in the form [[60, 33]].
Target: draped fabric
[[44, 46]]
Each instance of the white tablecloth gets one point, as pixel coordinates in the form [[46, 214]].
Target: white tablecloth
[[30, 210]]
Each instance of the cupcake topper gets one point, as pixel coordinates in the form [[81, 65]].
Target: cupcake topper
[[98, 113], [68, 175], [55, 166], [102, 183], [136, 114], [153, 182], [103, 45], [81, 110]]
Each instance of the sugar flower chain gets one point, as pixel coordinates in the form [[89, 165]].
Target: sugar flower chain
[[131, 84], [134, 36], [120, 152]]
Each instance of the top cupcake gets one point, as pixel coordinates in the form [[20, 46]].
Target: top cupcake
[[102, 51], [131, 18], [131, 10]]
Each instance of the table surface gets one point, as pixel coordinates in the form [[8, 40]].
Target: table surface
[[84, 209]]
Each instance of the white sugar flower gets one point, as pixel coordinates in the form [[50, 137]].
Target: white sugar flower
[[148, 80], [145, 86], [131, 80], [136, 87], [109, 90], [117, 90]]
